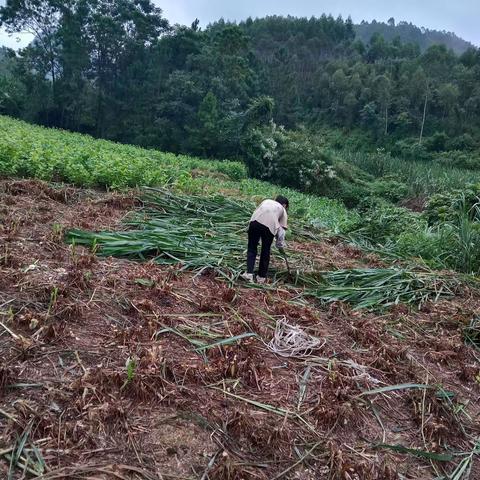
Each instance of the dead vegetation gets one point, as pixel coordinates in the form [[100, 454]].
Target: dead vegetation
[[116, 369]]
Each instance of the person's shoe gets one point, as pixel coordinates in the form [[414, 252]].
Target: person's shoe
[[261, 280], [248, 277]]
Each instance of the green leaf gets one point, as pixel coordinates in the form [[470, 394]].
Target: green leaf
[[145, 282], [391, 388], [440, 457]]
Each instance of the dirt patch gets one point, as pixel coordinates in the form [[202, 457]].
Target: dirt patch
[[106, 369]]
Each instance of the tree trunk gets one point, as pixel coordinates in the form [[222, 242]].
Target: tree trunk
[[424, 116], [386, 120]]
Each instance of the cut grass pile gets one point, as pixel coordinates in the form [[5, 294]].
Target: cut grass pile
[[171, 240], [383, 287], [199, 232]]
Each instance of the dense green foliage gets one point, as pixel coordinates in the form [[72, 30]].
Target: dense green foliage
[[55, 155], [410, 33], [79, 159]]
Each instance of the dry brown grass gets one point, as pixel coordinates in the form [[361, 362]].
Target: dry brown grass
[[73, 323]]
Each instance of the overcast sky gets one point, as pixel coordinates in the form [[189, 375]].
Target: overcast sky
[[460, 16]]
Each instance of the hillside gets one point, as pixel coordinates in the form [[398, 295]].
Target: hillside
[[132, 351], [410, 33]]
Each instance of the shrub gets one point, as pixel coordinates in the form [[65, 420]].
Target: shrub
[[410, 149], [289, 158], [389, 189], [458, 159], [351, 194], [382, 222], [437, 142], [432, 245], [462, 142], [444, 207]]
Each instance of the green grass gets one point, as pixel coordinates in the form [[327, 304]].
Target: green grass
[[320, 212], [422, 178], [55, 155], [382, 287]]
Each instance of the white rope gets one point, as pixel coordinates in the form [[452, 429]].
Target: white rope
[[292, 341]]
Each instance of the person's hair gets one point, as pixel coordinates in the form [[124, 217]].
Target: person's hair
[[283, 201]]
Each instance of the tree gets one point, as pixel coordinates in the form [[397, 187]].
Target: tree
[[207, 134], [383, 87], [12, 91], [448, 95], [117, 33], [42, 19], [419, 91]]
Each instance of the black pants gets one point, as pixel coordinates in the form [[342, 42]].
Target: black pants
[[257, 231]]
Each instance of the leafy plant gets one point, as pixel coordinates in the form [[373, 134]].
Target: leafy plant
[[131, 368], [47, 154]]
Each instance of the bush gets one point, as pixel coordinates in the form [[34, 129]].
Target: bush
[[410, 149], [289, 158], [437, 142], [351, 194], [389, 189], [458, 159], [382, 222], [234, 170], [433, 246], [354, 192], [444, 207], [462, 142]]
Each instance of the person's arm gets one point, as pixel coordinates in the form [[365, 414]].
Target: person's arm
[[283, 220], [281, 243]]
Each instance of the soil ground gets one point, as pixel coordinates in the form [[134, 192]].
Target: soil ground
[[99, 374]]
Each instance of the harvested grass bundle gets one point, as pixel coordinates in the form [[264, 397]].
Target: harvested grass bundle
[[198, 232], [382, 287]]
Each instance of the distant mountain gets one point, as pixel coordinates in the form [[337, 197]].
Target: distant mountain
[[412, 34]]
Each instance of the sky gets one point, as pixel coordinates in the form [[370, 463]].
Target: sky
[[460, 16]]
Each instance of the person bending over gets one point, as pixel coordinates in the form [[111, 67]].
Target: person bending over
[[268, 221]]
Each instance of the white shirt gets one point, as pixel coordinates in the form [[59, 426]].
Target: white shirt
[[271, 214]]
